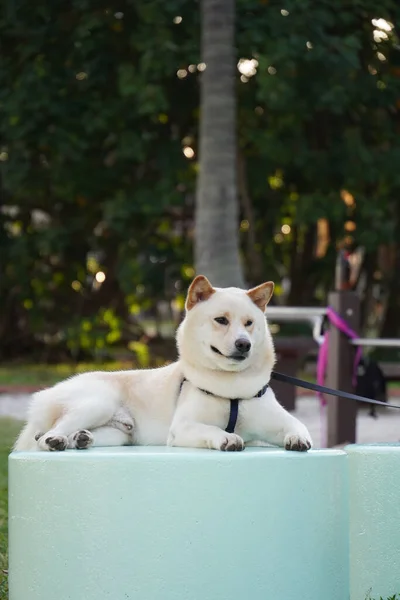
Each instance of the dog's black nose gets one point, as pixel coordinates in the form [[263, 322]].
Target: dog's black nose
[[243, 345]]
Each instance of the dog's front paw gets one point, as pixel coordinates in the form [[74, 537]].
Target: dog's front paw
[[81, 440], [53, 443], [297, 443], [231, 442]]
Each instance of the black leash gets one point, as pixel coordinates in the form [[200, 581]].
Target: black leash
[[326, 390]]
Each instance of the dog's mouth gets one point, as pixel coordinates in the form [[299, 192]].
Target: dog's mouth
[[214, 349], [238, 357]]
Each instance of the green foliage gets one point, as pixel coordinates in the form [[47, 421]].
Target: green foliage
[[394, 597], [93, 122], [43, 375], [92, 140], [8, 433], [325, 119]]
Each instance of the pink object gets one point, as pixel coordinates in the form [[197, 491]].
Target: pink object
[[322, 361]]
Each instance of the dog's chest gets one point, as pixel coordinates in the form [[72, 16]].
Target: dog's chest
[[221, 412]]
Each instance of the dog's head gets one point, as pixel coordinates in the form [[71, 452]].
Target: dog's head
[[225, 328]]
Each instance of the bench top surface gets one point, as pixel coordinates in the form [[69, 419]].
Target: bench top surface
[[167, 453], [375, 448]]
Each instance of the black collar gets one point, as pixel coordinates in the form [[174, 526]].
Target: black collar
[[234, 410]]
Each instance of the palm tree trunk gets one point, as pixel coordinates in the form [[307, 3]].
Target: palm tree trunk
[[216, 232]]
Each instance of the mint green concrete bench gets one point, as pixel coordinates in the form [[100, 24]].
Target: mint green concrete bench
[[374, 480], [177, 524]]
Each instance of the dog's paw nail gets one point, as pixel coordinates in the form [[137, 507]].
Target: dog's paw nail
[[38, 436]]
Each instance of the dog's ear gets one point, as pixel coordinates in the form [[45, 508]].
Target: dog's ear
[[200, 289], [261, 294]]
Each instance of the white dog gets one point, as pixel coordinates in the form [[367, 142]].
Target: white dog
[[226, 355]]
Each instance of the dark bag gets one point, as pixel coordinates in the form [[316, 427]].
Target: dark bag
[[371, 383]]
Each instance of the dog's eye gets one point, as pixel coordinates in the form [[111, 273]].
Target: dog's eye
[[248, 323], [222, 320]]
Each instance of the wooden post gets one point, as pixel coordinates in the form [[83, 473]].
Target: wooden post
[[341, 413]]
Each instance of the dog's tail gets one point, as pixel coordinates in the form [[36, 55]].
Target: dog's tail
[[26, 441], [43, 411]]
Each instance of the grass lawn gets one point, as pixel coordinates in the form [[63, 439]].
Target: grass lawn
[[8, 432], [46, 375]]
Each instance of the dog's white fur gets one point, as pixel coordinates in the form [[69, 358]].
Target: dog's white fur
[[153, 407]]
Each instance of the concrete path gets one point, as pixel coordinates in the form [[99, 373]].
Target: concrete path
[[14, 405], [386, 428]]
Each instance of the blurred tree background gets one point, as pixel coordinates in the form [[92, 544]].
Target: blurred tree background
[[99, 126]]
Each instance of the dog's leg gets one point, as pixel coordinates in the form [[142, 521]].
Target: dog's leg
[[197, 435], [80, 418], [269, 422], [118, 431], [102, 436], [188, 429]]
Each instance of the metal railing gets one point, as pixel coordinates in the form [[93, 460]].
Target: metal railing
[[315, 315], [376, 342], [295, 313]]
